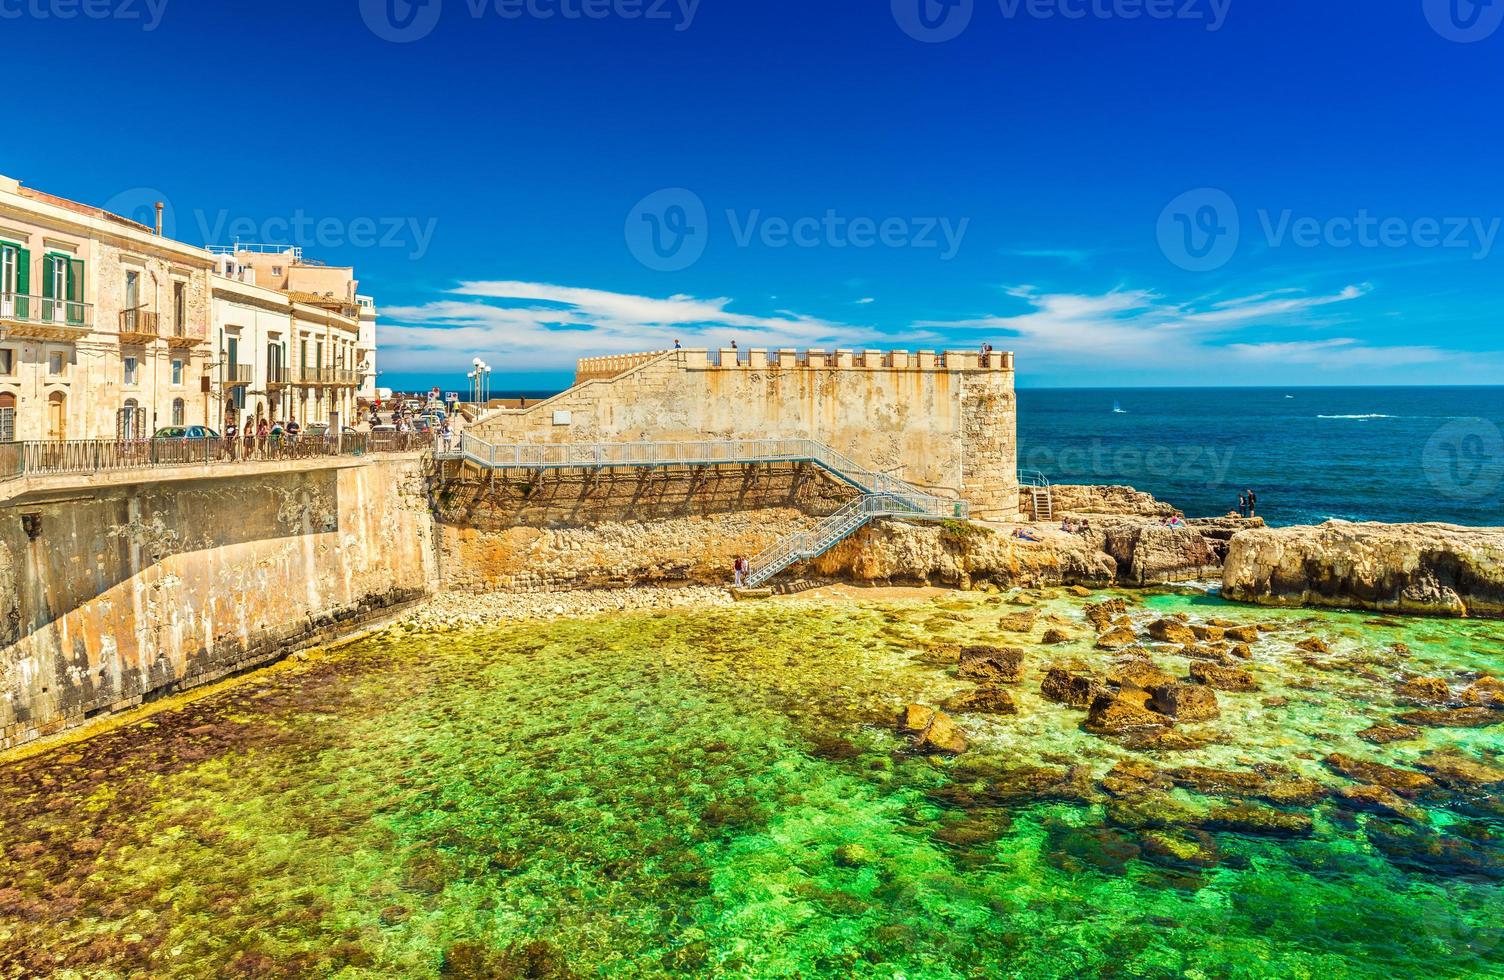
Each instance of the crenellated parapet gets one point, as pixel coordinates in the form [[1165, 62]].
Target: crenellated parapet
[[791, 359]]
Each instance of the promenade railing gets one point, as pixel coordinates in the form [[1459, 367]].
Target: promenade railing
[[84, 456]]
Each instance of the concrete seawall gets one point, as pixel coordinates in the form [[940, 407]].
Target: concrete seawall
[[114, 594]]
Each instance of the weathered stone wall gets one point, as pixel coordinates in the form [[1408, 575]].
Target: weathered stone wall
[[571, 530], [943, 423], [110, 595]]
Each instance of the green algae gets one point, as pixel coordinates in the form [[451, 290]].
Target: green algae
[[724, 793]]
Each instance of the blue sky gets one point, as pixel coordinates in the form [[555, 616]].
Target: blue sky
[[1209, 192]]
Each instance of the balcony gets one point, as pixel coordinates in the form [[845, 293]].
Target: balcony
[[236, 375], [138, 326], [278, 376], [181, 338], [329, 376], [40, 318]]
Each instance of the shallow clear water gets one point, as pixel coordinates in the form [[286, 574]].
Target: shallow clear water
[[725, 793]]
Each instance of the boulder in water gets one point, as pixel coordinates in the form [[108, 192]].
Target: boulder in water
[[1454, 718], [1119, 714], [988, 699], [1171, 630], [1222, 678], [995, 665], [1258, 821], [934, 731], [1424, 691], [1076, 688], [1185, 702], [1405, 782], [1387, 734]]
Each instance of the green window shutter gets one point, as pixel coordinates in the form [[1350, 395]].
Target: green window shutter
[[75, 290], [47, 261], [23, 283]]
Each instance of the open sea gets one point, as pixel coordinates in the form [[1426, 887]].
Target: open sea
[[1311, 454]]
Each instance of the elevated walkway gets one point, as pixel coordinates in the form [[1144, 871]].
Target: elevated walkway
[[881, 495]]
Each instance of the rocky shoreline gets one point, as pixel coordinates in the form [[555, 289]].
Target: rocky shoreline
[[467, 610]]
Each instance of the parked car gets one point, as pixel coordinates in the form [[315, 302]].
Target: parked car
[[320, 430], [186, 432]]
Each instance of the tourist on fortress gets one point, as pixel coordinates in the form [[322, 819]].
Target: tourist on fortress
[[446, 435], [248, 432], [232, 438], [263, 432]]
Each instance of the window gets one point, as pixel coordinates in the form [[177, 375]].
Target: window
[[276, 270], [7, 417], [131, 371], [180, 309], [15, 264], [130, 421], [177, 372], [132, 290], [57, 363], [7, 360], [62, 280], [177, 411]]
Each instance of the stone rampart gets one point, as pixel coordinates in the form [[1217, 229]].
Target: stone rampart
[[944, 422], [110, 595]]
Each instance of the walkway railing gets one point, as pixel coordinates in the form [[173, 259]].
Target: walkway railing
[[882, 495], [84, 456]]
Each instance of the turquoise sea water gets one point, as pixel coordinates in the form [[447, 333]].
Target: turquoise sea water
[[725, 793], [1311, 454]]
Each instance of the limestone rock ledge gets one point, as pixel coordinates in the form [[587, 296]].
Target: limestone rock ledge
[[1428, 569], [962, 555]]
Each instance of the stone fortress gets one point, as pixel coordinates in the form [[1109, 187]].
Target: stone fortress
[[942, 422]]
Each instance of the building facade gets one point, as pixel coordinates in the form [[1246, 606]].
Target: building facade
[[108, 330], [102, 322]]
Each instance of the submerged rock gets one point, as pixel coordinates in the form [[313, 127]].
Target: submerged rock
[[993, 664], [1243, 634], [1454, 718], [933, 731], [1387, 734], [1185, 702], [1138, 672], [1129, 778], [1258, 821], [1170, 630], [1487, 692], [1189, 848], [1117, 714], [987, 699], [1117, 638], [1070, 686], [1425, 849], [1103, 614], [1312, 645], [1424, 691], [1461, 772], [1222, 678], [1406, 782], [1053, 637], [1377, 799], [1021, 622]]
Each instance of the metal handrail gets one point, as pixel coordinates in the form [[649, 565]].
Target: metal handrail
[[1033, 478]]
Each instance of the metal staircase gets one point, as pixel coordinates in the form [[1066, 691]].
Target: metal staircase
[[882, 495], [1042, 495]]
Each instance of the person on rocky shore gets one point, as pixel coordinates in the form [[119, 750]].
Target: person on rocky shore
[[1253, 504]]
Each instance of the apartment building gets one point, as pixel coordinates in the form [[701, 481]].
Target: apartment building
[[289, 336], [108, 330], [102, 322]]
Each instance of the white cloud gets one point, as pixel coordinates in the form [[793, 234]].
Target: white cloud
[[1140, 329], [528, 326], [865, 300]]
